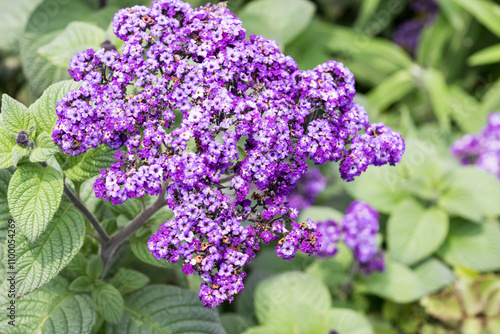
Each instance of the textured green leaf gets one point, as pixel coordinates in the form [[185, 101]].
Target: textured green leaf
[[348, 321], [81, 284], [43, 111], [34, 195], [39, 262], [474, 246], [129, 280], [434, 275], [397, 283], [6, 145], [109, 302], [413, 233], [13, 17], [53, 309], [18, 152], [94, 266], [45, 148], [160, 309], [76, 37], [85, 166], [14, 116], [281, 20], [295, 301]]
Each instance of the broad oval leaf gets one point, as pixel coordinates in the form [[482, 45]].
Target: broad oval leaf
[[14, 116], [414, 232], [45, 148], [53, 309], [295, 301], [43, 110], [76, 37], [348, 321], [434, 275], [6, 145], [128, 280], [281, 20], [85, 166], [108, 301], [159, 309], [34, 195], [39, 262], [475, 246]]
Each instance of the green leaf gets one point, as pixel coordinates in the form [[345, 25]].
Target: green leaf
[[489, 55], [18, 152], [348, 321], [434, 275], [397, 283], [34, 195], [14, 116], [413, 233], [474, 246], [94, 266], [265, 330], [460, 202], [465, 110], [333, 271], [433, 41], [294, 301], [320, 213], [368, 8], [485, 11], [6, 145], [45, 148], [165, 309], [129, 280], [391, 90], [490, 101], [53, 309], [85, 166], [76, 37], [234, 323], [43, 111], [13, 17], [81, 284], [39, 262], [483, 186], [453, 13], [437, 90], [281, 20], [108, 302], [139, 246]]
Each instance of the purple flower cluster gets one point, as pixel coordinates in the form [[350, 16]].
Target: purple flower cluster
[[357, 230], [307, 189], [407, 34], [482, 149], [191, 102]]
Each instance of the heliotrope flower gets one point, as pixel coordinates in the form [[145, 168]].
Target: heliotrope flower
[[482, 149], [192, 102]]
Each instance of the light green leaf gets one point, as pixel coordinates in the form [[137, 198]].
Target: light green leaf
[[434, 275], [348, 321], [76, 37], [45, 148], [433, 41], [34, 195], [13, 17], [368, 8], [265, 330], [474, 246], [459, 201], [85, 166], [39, 262], [334, 270], [281, 20], [159, 309], [489, 55], [94, 266], [294, 301], [108, 302], [129, 280], [465, 110], [413, 233], [14, 116], [391, 90], [485, 11], [18, 152], [483, 186], [397, 283], [81, 284], [436, 87], [53, 309], [320, 213], [6, 145], [453, 13], [43, 111]]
